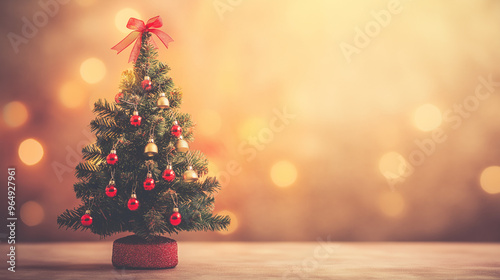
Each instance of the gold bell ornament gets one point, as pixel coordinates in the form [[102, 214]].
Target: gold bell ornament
[[162, 101], [190, 175], [151, 148], [182, 145]]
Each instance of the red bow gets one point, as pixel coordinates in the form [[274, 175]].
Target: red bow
[[139, 28]]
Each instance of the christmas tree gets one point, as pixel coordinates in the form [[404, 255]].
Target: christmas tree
[[139, 175]]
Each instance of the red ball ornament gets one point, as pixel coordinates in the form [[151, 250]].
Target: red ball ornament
[[176, 130], [135, 120], [149, 184], [133, 203], [118, 97], [175, 218], [112, 158], [146, 83], [169, 174], [87, 219], [111, 190]]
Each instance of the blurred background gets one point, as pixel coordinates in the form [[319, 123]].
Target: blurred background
[[353, 120]]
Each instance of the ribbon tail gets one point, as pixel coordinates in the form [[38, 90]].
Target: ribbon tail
[[136, 50], [123, 44], [164, 37]]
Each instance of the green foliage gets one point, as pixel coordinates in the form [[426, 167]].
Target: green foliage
[[113, 130]]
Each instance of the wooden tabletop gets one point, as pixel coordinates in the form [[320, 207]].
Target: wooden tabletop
[[312, 260]]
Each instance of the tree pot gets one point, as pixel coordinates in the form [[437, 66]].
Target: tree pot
[[134, 252]]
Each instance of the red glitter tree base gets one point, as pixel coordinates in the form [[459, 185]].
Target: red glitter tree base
[[135, 252]]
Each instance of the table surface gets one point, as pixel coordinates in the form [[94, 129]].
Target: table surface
[[273, 260]]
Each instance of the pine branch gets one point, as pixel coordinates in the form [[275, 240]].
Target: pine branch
[[210, 185], [71, 219], [105, 109], [175, 98], [92, 152], [105, 127], [86, 169]]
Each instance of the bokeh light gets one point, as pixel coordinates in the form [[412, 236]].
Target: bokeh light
[[71, 95], [283, 173], [391, 204], [32, 213], [213, 169], [209, 122], [122, 17], [392, 165], [427, 117], [15, 114], [233, 226], [30, 151], [92, 70], [490, 179], [251, 127]]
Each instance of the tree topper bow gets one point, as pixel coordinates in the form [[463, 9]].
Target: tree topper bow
[[139, 28]]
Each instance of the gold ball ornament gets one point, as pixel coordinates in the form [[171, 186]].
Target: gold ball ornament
[[151, 148], [162, 101], [190, 175], [128, 77], [182, 145]]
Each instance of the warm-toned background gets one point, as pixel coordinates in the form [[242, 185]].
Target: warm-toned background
[[366, 85]]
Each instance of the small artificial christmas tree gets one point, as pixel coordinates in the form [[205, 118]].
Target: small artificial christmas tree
[[140, 175]]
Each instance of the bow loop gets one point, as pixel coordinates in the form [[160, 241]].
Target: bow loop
[[136, 24], [154, 22]]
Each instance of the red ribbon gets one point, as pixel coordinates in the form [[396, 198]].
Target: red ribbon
[[139, 28]]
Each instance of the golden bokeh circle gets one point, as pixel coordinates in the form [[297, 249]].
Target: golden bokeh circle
[[32, 213], [15, 114], [251, 127], [92, 70], [490, 179], [283, 173], [427, 117], [122, 17], [30, 151]]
